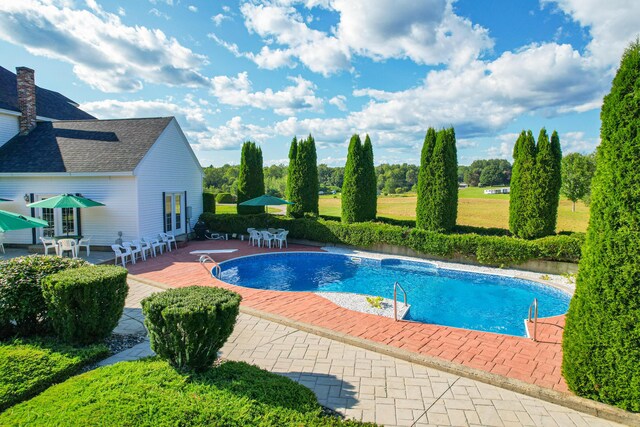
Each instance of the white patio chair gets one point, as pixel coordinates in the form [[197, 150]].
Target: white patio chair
[[144, 247], [267, 238], [281, 238], [68, 245], [249, 230], [135, 252], [84, 243], [49, 244], [155, 244], [168, 239], [2, 242], [122, 253], [255, 237]]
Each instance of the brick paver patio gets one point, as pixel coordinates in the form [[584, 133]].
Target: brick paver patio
[[366, 385], [513, 357]]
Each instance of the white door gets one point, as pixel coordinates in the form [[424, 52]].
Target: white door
[[174, 213], [62, 221]]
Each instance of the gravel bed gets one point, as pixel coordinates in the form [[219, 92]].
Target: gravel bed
[[358, 302], [119, 342]]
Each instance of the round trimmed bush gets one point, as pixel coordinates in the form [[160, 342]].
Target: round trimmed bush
[[208, 202], [22, 307], [85, 304], [225, 198], [188, 326]]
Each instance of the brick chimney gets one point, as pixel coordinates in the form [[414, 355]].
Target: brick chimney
[[26, 99]]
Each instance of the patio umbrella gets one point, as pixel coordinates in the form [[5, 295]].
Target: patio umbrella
[[65, 201], [266, 200], [13, 221], [5, 200]]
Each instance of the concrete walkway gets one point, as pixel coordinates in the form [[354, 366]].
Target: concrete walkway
[[366, 385]]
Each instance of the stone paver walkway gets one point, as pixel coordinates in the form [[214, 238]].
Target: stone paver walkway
[[369, 386]]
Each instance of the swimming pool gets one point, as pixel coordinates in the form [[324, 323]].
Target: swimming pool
[[460, 299]]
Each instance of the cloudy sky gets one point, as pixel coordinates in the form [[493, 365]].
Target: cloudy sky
[[266, 70]]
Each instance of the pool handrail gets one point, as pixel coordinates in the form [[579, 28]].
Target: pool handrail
[[395, 299], [216, 270], [534, 307]]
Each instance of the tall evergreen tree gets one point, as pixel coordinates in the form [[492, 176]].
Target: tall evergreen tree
[[522, 203], [292, 192], [250, 178], [351, 191], [601, 344], [369, 182], [437, 205], [308, 166], [425, 181], [554, 195]]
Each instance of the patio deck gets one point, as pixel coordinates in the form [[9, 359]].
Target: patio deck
[[522, 359]]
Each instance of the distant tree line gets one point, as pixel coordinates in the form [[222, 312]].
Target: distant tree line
[[485, 173]]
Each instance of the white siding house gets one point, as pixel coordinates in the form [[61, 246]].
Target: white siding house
[[8, 125]]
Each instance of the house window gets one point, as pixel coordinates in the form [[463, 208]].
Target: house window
[[173, 207], [59, 221]]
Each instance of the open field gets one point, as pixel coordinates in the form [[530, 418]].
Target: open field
[[474, 208]]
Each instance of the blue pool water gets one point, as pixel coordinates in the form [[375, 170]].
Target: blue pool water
[[445, 297]]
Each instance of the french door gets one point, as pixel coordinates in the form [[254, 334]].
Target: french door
[[60, 221], [174, 213]]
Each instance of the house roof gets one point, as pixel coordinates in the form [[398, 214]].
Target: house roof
[[49, 104], [82, 146]]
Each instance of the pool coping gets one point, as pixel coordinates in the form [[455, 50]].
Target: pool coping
[[568, 400]]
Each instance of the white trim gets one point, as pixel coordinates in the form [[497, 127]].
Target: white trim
[[56, 174], [19, 114]]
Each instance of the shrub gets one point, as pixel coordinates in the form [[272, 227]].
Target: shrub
[[225, 198], [601, 351], [149, 392], [250, 178], [495, 248], [188, 326], [208, 202], [85, 303], [28, 367], [22, 307], [358, 203]]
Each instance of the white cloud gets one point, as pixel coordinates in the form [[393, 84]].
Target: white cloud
[[121, 11], [577, 142], [612, 26], [192, 8], [340, 101], [504, 149], [105, 53], [219, 18], [237, 91], [159, 14], [230, 136], [167, 2]]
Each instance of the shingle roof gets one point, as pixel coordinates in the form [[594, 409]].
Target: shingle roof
[[82, 146], [49, 104]]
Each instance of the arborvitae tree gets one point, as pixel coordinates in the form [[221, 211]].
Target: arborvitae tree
[[308, 166], [437, 205], [425, 182], [522, 203], [293, 180], [250, 178], [601, 344], [554, 194], [351, 191], [369, 183], [543, 222], [451, 180]]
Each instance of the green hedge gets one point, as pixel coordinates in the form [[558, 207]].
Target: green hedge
[[22, 307], [209, 202], [28, 367], [188, 326], [488, 249], [85, 303], [225, 198], [151, 393]]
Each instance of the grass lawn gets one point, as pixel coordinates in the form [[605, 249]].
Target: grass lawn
[[232, 209], [149, 392], [474, 208], [29, 366]]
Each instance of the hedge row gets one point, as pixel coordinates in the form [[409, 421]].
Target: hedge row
[[488, 249]]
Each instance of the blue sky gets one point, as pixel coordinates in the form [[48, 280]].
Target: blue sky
[[266, 70]]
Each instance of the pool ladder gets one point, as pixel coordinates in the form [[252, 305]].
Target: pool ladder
[[395, 299], [216, 270], [533, 309]]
